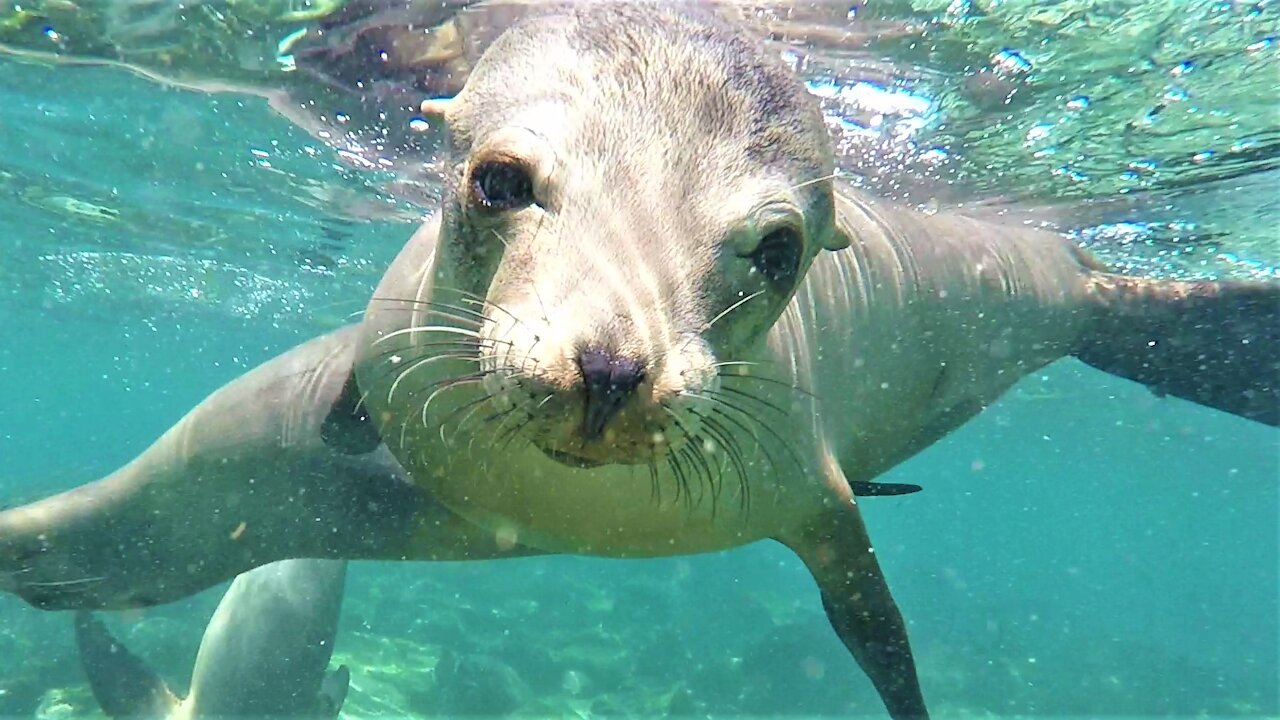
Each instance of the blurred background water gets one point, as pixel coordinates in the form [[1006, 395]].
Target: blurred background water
[[1081, 549]]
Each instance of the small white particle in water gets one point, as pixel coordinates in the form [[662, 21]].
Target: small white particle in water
[[1039, 132], [708, 447], [884, 386], [395, 359]]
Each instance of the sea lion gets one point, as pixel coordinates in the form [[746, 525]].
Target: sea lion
[[645, 322], [265, 652]]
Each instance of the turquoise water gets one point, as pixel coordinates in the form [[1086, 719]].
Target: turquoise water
[[1081, 549]]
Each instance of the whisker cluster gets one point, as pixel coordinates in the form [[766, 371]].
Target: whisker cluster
[[467, 345], [731, 417]]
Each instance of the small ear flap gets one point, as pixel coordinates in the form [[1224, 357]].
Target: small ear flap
[[841, 234], [436, 108]]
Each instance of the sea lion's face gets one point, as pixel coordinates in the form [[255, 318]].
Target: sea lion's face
[[635, 223]]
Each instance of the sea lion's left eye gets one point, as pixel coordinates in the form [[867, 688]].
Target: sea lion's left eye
[[777, 257], [501, 185]]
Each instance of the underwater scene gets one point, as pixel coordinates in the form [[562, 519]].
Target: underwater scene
[[190, 188]]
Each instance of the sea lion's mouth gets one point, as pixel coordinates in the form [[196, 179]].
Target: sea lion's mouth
[[575, 461]]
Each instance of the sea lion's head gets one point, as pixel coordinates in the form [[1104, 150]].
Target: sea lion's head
[[635, 194]]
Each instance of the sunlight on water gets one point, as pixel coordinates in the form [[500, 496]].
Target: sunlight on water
[[1044, 102]]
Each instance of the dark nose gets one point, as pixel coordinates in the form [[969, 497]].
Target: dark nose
[[609, 381]]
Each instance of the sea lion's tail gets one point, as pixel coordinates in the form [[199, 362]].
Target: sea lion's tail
[[1213, 343], [333, 691], [121, 682]]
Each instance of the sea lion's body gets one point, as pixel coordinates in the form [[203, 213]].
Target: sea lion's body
[[645, 322], [265, 652], [886, 347]]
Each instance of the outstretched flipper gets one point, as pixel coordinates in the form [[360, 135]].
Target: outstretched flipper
[[1213, 343], [122, 683], [837, 551], [244, 479]]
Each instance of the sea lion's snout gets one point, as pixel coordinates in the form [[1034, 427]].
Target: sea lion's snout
[[589, 393], [609, 380]]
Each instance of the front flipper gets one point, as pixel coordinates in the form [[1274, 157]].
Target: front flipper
[[836, 550], [244, 479], [1213, 343]]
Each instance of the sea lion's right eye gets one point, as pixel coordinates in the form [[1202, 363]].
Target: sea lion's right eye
[[498, 185], [777, 257]]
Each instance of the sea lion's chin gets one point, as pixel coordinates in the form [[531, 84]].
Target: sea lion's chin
[[580, 454], [569, 459]]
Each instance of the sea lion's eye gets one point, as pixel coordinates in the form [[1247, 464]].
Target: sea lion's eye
[[777, 257], [501, 185]]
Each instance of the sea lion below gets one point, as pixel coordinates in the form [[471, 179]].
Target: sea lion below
[[645, 322], [265, 652]]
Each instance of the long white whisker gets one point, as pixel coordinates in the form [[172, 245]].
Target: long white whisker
[[730, 309], [449, 386], [806, 183], [418, 364], [430, 328], [66, 583]]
